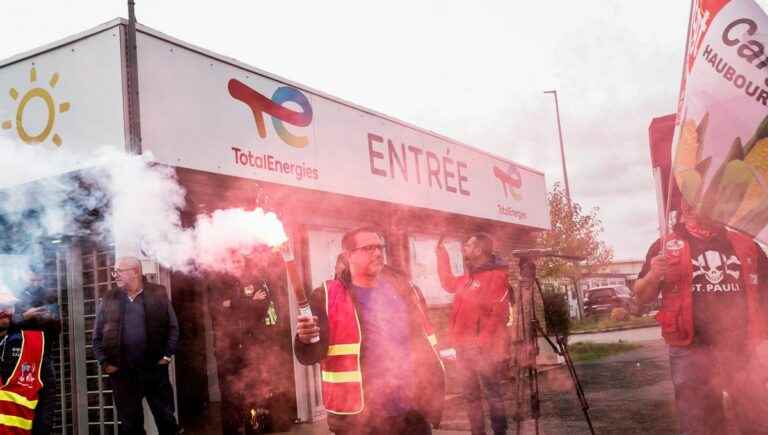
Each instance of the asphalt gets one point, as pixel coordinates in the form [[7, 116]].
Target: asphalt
[[629, 393]]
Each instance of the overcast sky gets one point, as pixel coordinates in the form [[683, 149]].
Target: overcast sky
[[474, 73]]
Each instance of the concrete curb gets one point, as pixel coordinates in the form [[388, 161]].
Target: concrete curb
[[619, 328]]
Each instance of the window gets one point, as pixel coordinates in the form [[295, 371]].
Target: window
[[424, 266]]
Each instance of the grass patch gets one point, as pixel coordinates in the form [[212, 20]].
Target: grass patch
[[593, 323], [591, 351]]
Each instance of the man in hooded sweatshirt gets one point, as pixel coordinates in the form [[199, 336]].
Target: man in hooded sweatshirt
[[478, 327]]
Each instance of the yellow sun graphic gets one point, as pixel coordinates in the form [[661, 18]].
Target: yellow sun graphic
[[47, 98]]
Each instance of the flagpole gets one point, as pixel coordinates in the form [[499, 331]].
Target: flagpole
[[665, 212]]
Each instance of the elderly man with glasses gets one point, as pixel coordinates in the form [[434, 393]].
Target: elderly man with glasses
[[134, 340], [380, 371]]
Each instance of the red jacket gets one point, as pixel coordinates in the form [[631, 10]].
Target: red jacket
[[676, 313], [480, 307]]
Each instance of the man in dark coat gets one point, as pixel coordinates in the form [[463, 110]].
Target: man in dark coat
[[134, 340], [248, 308]]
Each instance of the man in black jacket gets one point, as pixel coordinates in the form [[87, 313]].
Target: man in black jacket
[[238, 307], [134, 340], [252, 340]]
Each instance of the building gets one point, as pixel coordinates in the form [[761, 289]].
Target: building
[[229, 129], [623, 272]]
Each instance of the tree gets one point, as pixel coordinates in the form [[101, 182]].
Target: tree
[[574, 233]]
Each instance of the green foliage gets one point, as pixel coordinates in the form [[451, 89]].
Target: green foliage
[[590, 351], [575, 233], [602, 323]]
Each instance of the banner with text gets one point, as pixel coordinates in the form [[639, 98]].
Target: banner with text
[[721, 155], [202, 113]]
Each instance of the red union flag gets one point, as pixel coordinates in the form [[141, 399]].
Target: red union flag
[[721, 151]]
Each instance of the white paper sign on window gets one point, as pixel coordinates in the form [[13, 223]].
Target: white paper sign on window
[[424, 267]]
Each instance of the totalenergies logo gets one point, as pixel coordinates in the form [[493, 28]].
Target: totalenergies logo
[[260, 104], [510, 180], [37, 93]]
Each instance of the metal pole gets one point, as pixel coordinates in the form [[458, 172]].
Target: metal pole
[[132, 83], [562, 151]]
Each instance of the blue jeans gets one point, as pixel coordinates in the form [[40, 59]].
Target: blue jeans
[[700, 374]]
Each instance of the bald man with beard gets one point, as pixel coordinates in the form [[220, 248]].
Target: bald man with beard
[[134, 340]]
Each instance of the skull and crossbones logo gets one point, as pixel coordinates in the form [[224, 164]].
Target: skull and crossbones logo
[[714, 266]]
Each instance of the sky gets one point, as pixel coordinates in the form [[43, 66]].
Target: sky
[[473, 73]]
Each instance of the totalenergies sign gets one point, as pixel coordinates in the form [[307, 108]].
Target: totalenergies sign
[[36, 93], [259, 104]]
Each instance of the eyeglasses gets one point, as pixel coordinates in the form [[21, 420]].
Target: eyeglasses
[[370, 249], [117, 272]]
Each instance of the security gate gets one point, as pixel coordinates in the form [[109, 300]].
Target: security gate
[[79, 273]]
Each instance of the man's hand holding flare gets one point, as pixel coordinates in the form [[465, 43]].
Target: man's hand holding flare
[[308, 329], [307, 326]]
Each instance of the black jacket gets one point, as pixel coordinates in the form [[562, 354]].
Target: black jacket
[[161, 325], [235, 313]]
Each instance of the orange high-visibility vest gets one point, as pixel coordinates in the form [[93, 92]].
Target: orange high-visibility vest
[[18, 395], [341, 372], [676, 313]]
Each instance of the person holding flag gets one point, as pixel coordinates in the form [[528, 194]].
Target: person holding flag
[[712, 276], [714, 317]]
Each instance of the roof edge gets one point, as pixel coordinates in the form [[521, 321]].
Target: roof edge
[[62, 42]]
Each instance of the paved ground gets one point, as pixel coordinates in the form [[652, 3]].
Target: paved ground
[[630, 393], [640, 334]]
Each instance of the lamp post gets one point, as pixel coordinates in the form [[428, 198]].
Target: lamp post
[[562, 151], [579, 296]]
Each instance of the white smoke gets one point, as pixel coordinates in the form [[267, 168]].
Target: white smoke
[[123, 197], [236, 229]]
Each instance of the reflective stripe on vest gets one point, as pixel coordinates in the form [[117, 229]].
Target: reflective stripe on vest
[[15, 422], [341, 377], [344, 349], [341, 374], [18, 395], [340, 370]]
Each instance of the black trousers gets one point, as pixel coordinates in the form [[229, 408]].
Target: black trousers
[[129, 386], [46, 402], [478, 373]]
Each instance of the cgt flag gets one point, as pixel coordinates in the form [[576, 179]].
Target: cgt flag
[[721, 154]]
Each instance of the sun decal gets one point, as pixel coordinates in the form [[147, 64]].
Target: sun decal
[[36, 137]]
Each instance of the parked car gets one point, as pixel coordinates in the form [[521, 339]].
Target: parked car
[[602, 300]]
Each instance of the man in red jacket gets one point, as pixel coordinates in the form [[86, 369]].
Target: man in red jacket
[[478, 327], [714, 317]]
